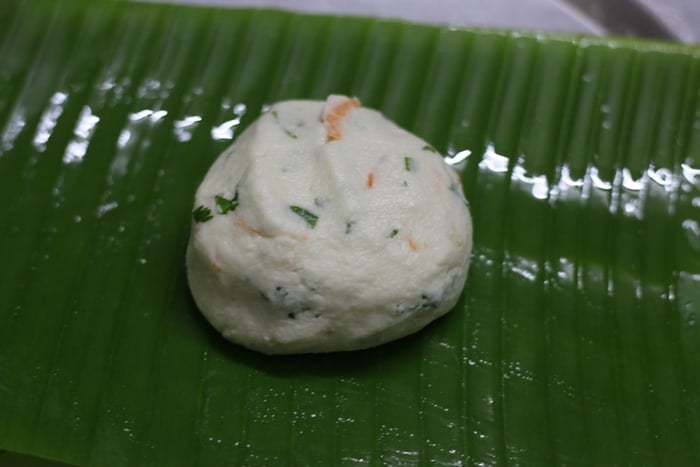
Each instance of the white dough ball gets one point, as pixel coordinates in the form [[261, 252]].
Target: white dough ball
[[326, 227]]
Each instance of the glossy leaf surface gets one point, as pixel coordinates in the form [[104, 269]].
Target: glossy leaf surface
[[576, 340]]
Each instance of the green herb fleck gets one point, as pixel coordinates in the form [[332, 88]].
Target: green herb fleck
[[428, 303], [408, 163], [428, 147], [393, 233], [201, 214], [405, 183], [287, 132], [308, 216], [291, 316], [225, 205], [348, 227]]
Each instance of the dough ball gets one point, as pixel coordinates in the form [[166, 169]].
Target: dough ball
[[326, 227]]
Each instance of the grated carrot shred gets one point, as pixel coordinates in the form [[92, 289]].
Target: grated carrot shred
[[334, 117]]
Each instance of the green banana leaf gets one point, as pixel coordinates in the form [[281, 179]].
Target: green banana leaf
[[575, 342]]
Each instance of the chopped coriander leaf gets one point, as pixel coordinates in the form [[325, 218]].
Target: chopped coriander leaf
[[428, 303], [308, 216], [201, 214], [428, 147], [393, 233], [348, 227], [408, 163], [226, 205], [405, 183], [287, 132]]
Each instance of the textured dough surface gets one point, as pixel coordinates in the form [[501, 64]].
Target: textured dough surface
[[322, 229]]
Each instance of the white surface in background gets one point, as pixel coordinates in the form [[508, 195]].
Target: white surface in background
[[523, 14], [680, 16]]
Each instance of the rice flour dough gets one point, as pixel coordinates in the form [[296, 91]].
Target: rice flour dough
[[326, 227]]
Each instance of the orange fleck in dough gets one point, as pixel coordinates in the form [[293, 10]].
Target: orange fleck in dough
[[370, 180], [415, 245], [333, 117], [248, 228]]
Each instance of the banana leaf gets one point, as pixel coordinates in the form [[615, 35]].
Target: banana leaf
[[576, 340]]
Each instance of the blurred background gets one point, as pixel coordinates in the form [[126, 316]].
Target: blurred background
[[676, 20]]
